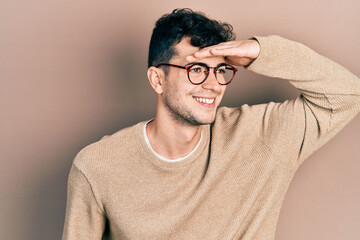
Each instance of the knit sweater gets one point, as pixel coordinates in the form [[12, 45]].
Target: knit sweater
[[233, 185]]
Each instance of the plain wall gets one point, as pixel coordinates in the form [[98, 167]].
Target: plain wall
[[73, 71]]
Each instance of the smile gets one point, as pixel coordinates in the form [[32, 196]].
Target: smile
[[204, 100]]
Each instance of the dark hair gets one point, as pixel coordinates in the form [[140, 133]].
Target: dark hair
[[171, 28]]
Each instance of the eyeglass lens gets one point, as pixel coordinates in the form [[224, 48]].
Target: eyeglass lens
[[198, 73]]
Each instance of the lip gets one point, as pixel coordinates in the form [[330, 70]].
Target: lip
[[208, 105]]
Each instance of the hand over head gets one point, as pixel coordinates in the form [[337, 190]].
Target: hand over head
[[240, 53]]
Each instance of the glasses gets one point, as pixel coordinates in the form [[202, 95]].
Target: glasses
[[198, 72]]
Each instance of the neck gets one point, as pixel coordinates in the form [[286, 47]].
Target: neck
[[172, 139]]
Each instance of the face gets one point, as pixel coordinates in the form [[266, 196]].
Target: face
[[185, 102]]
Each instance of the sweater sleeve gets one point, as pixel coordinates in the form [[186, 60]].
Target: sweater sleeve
[[84, 217], [329, 99]]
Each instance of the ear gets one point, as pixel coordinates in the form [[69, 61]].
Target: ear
[[156, 78]]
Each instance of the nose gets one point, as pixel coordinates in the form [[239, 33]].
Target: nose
[[211, 82]]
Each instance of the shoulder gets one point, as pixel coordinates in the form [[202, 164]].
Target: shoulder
[[108, 149], [259, 114], [233, 115], [235, 123], [259, 120]]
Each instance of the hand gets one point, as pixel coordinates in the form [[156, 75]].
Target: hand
[[240, 53]]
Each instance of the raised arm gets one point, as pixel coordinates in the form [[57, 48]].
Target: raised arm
[[330, 94]]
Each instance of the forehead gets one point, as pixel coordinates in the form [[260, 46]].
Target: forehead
[[184, 49]]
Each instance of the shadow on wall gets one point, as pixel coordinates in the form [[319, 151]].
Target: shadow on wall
[[125, 84], [47, 200]]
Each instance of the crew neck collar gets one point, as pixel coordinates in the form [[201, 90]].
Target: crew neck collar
[[167, 159], [172, 163]]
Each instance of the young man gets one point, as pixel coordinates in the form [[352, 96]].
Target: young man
[[196, 171]]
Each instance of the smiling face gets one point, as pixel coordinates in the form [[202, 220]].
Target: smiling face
[[185, 102]]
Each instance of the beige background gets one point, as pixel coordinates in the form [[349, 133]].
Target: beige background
[[73, 71]]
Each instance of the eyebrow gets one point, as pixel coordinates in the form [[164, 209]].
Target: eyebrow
[[194, 63]]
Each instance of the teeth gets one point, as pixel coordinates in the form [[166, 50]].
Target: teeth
[[205, 100]]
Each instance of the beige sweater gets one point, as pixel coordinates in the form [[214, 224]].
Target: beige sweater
[[234, 183]]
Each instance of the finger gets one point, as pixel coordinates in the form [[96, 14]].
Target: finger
[[204, 53], [191, 58], [198, 55], [208, 52], [214, 50], [220, 45], [224, 52], [230, 51]]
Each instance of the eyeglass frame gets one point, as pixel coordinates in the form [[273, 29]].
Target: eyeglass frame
[[190, 65]]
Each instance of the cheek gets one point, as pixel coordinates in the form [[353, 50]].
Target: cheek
[[179, 91], [223, 89], [221, 95], [172, 93]]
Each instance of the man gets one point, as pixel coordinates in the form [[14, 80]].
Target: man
[[196, 171]]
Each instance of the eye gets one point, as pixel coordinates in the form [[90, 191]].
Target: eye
[[196, 70], [220, 71]]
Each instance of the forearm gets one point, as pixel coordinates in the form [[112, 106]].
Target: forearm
[[330, 94], [306, 69]]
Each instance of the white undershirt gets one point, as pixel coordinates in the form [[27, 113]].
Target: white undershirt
[[163, 158]]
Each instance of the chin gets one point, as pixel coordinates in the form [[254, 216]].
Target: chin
[[206, 118], [202, 121], [208, 121]]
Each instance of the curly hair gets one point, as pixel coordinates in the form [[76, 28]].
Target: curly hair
[[171, 28]]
